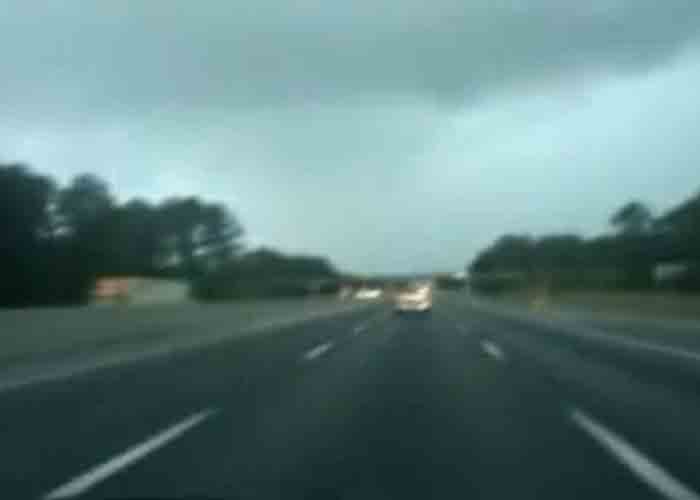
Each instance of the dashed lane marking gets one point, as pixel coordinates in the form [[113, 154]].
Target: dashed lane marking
[[642, 466], [100, 473], [493, 350], [318, 351]]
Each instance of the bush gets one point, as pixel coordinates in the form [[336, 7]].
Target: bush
[[689, 281], [215, 288], [496, 285]]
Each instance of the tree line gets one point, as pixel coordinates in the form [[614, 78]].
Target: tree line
[[629, 257], [268, 273], [55, 241]]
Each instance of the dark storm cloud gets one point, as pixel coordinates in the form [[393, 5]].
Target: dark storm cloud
[[134, 57], [395, 135]]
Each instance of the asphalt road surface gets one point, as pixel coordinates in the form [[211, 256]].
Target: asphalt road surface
[[368, 405]]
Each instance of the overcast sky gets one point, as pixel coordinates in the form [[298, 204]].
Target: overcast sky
[[390, 135]]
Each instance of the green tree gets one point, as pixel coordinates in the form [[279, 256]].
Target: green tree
[[84, 202], [221, 232], [25, 234], [85, 209], [508, 254], [633, 218], [134, 242], [199, 236]]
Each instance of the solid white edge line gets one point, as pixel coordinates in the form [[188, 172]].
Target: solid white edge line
[[643, 467], [99, 473], [317, 351], [493, 350], [647, 346], [567, 327]]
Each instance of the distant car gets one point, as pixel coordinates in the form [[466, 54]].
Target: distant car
[[368, 294], [415, 298]]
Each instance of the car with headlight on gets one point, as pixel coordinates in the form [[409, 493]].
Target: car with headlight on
[[417, 297]]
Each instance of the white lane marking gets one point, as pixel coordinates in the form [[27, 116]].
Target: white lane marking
[[647, 346], [317, 351], [374, 319], [493, 350], [360, 328], [92, 477], [643, 467], [593, 334]]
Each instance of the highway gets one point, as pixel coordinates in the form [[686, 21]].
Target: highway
[[463, 403]]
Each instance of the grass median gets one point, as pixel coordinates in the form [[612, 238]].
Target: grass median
[[36, 334], [643, 305]]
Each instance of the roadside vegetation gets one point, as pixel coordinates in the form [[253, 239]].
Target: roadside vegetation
[[643, 256], [58, 240]]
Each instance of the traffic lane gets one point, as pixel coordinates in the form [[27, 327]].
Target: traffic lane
[[249, 446], [180, 385], [675, 337], [521, 438], [658, 361], [137, 340], [53, 430], [679, 338], [679, 332], [656, 416], [412, 408]]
